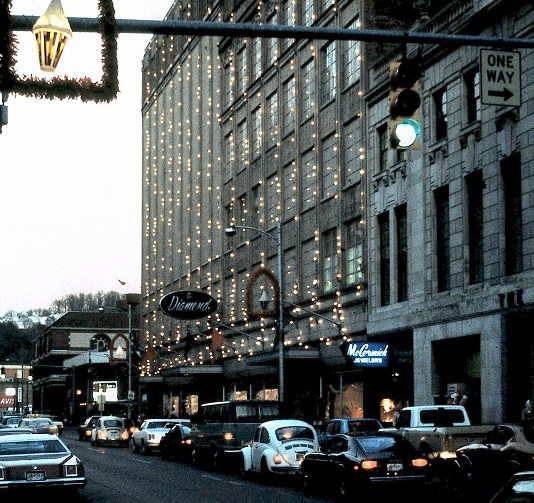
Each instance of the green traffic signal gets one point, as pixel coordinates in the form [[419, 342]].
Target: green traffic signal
[[404, 104]]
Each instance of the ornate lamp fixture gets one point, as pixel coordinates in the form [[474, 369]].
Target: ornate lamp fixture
[[52, 30]]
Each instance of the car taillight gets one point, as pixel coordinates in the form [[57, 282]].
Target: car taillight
[[369, 464], [88, 433], [419, 462], [187, 441], [229, 436]]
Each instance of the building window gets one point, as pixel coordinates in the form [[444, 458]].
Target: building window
[[330, 260], [256, 58], [309, 269], [241, 210], [272, 120], [383, 147], [353, 252], [271, 203], [256, 132], [402, 253], [241, 70], [100, 343], [329, 166], [383, 229], [309, 179], [307, 12], [308, 89], [288, 18], [475, 185], [351, 58], [351, 153], [288, 96], [440, 109], [229, 81], [242, 145], [290, 182], [328, 73], [441, 199], [272, 42], [472, 85], [229, 156], [513, 217], [255, 207]]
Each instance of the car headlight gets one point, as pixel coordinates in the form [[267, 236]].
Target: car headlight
[[125, 435], [277, 458]]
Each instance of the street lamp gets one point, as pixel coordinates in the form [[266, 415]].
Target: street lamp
[[231, 231]]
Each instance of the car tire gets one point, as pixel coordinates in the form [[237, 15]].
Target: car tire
[[266, 474], [144, 449], [307, 484], [343, 489]]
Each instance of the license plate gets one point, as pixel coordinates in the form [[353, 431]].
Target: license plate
[[394, 467], [35, 476]]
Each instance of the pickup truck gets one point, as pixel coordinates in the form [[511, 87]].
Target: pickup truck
[[346, 425], [438, 430]]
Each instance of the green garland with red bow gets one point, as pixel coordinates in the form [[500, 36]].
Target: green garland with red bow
[[57, 87]]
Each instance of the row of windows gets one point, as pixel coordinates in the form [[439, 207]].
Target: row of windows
[[474, 187]]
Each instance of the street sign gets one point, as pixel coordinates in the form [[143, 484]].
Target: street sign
[[500, 77]]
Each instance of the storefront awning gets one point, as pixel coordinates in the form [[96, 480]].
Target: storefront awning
[[290, 354]]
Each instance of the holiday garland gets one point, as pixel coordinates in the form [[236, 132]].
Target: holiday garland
[[57, 87]]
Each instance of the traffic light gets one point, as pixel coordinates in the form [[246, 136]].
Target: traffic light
[[404, 104]]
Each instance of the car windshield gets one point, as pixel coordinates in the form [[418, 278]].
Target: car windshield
[[159, 424], [108, 423], [354, 426], [294, 432], [374, 444], [31, 447], [37, 422]]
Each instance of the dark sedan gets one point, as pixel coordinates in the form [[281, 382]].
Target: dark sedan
[[85, 430], [38, 462], [350, 465], [176, 443]]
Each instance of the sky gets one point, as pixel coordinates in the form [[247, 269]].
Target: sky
[[71, 172]]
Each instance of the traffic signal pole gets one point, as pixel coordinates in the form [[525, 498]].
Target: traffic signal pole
[[202, 28]]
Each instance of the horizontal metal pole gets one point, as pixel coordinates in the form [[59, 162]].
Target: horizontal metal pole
[[205, 28]]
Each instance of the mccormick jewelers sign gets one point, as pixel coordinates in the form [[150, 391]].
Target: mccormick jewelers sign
[[366, 354]]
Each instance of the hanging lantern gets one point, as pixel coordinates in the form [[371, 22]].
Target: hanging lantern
[[52, 30]]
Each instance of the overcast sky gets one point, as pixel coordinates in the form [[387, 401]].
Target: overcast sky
[[70, 172]]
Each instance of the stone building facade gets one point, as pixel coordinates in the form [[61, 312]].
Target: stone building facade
[[425, 252]]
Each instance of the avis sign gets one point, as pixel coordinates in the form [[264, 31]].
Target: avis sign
[[500, 77]]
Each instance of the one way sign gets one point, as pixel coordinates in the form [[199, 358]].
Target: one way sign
[[500, 77]]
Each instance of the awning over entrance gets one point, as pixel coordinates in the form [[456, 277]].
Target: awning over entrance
[[290, 354]]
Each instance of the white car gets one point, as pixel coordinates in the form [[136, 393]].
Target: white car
[[147, 438], [279, 446], [110, 430]]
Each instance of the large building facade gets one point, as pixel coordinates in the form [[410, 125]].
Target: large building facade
[[427, 252]]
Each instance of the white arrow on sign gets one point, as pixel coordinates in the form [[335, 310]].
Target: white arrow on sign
[[500, 77]]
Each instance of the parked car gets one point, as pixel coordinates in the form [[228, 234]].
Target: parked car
[[10, 421], [176, 443], [85, 430], [518, 489], [58, 422], [353, 464], [39, 461], [486, 465], [149, 435], [278, 447], [39, 425], [348, 425], [14, 431], [110, 430]]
